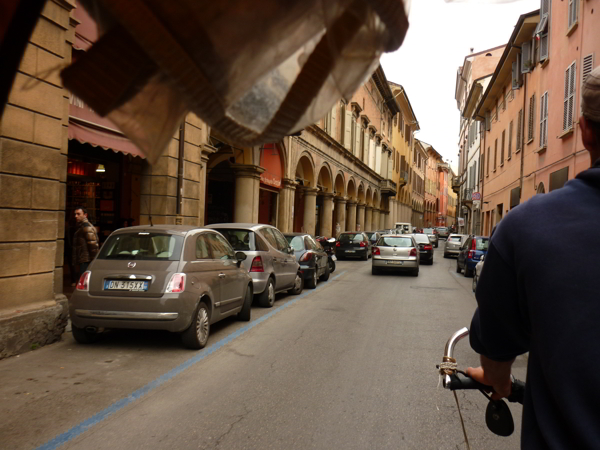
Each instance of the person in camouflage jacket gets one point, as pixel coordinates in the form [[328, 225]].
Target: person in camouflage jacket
[[85, 241]]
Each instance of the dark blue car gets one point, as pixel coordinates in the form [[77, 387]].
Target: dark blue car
[[470, 254]]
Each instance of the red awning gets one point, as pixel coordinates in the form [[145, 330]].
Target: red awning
[[271, 161], [86, 31]]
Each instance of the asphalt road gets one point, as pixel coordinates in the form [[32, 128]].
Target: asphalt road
[[350, 365]]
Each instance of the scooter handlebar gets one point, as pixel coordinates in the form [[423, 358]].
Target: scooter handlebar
[[460, 381]]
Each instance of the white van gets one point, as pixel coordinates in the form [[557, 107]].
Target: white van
[[404, 227]]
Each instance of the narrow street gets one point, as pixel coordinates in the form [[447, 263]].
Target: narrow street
[[350, 365]]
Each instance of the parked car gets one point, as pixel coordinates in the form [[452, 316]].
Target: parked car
[[453, 244], [443, 232], [395, 252], [478, 269], [271, 261], [163, 277], [373, 236], [312, 257], [425, 248], [353, 244], [433, 236], [470, 254]]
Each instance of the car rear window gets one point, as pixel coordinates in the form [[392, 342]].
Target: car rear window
[[481, 244], [296, 242], [428, 231], [350, 237], [389, 241], [142, 246], [422, 238], [454, 239], [442, 229], [240, 240]]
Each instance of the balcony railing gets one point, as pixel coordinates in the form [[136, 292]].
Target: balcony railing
[[456, 184], [467, 195], [403, 181], [388, 187]]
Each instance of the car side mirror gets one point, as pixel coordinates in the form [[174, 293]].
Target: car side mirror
[[291, 251], [240, 256], [482, 257]]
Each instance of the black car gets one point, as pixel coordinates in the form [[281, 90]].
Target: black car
[[313, 260], [433, 236], [425, 248], [353, 244], [373, 236]]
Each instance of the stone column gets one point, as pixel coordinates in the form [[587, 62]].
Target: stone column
[[388, 218], [285, 215], [384, 219], [310, 210], [360, 216], [247, 182], [340, 208], [369, 218], [351, 218], [327, 215], [205, 152], [376, 215]]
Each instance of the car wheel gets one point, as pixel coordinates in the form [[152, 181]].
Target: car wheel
[[245, 314], [312, 283], [196, 336], [431, 262], [82, 336], [474, 283], [331, 266], [366, 257], [298, 284], [374, 270], [457, 267], [445, 255], [267, 298], [468, 272], [415, 273], [325, 276]]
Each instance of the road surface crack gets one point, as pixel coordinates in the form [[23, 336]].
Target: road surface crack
[[231, 426]]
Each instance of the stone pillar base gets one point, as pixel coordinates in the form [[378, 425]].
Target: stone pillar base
[[29, 330]]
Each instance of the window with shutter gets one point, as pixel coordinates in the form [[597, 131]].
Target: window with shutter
[[502, 148], [559, 178], [488, 121], [517, 74], [526, 57], [587, 67], [348, 129], [488, 163], [333, 129], [510, 135], [569, 100], [573, 12], [544, 120], [495, 154], [531, 118], [519, 131], [357, 137]]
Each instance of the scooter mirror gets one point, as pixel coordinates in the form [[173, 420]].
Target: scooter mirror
[[332, 240], [498, 418]]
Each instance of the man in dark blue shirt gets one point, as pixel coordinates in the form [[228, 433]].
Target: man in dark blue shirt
[[539, 292]]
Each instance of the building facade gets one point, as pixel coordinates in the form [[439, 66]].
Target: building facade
[[419, 165], [531, 107]]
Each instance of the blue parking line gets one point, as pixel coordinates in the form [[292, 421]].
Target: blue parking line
[[71, 434]]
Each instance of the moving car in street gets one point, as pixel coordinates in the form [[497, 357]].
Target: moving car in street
[[313, 260], [470, 254], [433, 236], [453, 244], [443, 232], [404, 227], [395, 252], [353, 244], [271, 261], [425, 248], [163, 277], [373, 236]]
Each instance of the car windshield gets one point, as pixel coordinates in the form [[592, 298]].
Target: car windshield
[[422, 238], [240, 240], [348, 238], [391, 241], [455, 239], [296, 242], [442, 229], [371, 235], [142, 246], [481, 244], [428, 231]]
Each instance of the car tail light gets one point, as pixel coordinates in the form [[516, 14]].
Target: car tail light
[[257, 265], [428, 247], [376, 251], [471, 254], [308, 256], [413, 252], [84, 281], [337, 244], [363, 244], [176, 283]]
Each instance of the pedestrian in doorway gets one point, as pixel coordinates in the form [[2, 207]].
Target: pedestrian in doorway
[[534, 296], [85, 241]]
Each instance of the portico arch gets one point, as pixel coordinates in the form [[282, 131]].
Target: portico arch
[[305, 200]]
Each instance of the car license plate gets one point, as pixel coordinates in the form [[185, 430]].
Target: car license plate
[[396, 263], [125, 285], [350, 251], [333, 258]]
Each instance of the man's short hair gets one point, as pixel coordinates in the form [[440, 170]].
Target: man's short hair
[[84, 210]]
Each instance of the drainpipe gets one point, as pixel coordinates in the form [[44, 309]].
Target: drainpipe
[[179, 219], [523, 139], [482, 145]]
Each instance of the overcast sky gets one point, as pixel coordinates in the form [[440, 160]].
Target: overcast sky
[[440, 36]]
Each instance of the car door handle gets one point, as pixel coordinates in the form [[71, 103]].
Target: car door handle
[[221, 275]]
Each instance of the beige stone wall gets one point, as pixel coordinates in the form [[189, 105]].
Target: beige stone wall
[[33, 171]]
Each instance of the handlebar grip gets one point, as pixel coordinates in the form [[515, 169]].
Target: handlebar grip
[[460, 381]]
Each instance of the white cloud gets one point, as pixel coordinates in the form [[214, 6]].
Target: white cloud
[[441, 34]]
